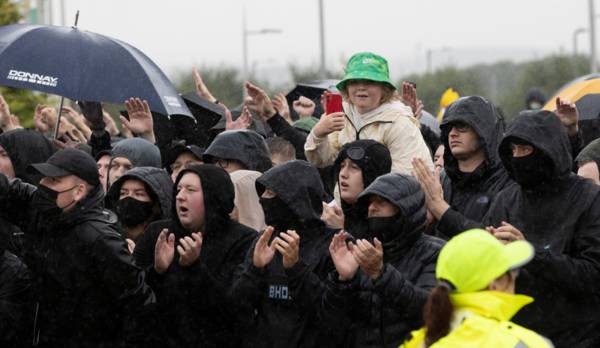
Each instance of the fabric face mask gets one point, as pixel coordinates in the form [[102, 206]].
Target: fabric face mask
[[44, 201], [133, 212], [278, 214]]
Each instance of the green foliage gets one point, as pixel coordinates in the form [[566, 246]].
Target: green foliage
[[504, 83], [22, 102], [9, 12]]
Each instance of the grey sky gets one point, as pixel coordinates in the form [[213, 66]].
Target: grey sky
[[177, 34]]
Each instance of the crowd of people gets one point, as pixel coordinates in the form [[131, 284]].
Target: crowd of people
[[373, 226]]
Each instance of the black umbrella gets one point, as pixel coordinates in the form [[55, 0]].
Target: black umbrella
[[82, 65], [311, 90]]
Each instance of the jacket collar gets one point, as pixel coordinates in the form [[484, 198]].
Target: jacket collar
[[387, 112], [491, 304]]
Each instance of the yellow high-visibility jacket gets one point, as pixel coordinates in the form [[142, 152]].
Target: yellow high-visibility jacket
[[482, 319]]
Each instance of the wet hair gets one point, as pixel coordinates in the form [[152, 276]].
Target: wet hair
[[278, 145], [438, 313], [387, 94]]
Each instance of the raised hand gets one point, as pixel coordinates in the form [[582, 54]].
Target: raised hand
[[432, 187], [201, 88], [345, 263], [242, 122], [304, 107], [140, 118], [369, 257], [288, 245], [39, 120], [409, 96], [419, 111], [77, 120], [164, 251], [281, 105], [7, 120], [261, 101], [263, 252], [568, 114], [111, 126], [4, 112], [189, 249], [329, 124]]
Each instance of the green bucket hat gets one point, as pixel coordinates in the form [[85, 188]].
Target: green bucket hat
[[366, 66]]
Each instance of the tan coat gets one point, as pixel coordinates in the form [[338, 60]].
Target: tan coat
[[395, 128]]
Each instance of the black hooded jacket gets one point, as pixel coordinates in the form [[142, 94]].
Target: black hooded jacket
[[194, 302], [156, 180], [281, 301], [375, 162], [23, 147], [87, 290], [561, 218], [245, 146], [470, 195], [382, 312]]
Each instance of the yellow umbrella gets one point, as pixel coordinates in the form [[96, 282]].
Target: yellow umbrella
[[584, 92]]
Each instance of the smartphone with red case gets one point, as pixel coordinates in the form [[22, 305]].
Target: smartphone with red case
[[333, 103]]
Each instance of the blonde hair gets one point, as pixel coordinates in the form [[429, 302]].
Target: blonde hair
[[388, 93]]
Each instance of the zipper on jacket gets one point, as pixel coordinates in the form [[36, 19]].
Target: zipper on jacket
[[364, 126]]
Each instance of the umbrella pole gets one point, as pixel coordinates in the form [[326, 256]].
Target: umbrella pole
[[62, 100]]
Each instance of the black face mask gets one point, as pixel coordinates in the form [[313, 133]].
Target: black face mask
[[532, 170], [391, 232], [44, 201], [133, 212], [383, 228], [278, 214]]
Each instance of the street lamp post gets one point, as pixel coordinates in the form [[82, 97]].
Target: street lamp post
[[245, 35], [592, 14], [322, 39], [575, 35], [429, 57]]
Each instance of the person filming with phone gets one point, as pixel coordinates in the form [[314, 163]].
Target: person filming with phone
[[369, 112]]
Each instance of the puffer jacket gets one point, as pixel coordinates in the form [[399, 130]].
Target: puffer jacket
[[382, 312], [392, 124], [482, 319]]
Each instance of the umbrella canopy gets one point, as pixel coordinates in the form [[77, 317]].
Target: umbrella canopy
[[311, 90], [82, 65], [584, 92]]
